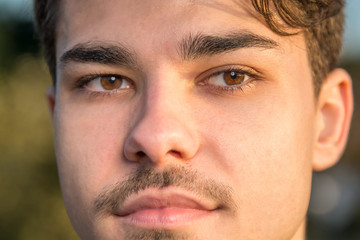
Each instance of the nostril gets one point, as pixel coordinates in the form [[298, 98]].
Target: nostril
[[175, 153], [140, 154]]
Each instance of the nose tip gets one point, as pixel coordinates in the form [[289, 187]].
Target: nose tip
[[160, 139]]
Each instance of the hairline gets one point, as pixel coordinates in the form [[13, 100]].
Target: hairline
[[318, 74]]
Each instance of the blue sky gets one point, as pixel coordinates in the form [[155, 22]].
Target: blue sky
[[351, 38]]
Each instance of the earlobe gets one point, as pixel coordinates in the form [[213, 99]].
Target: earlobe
[[50, 95], [334, 112]]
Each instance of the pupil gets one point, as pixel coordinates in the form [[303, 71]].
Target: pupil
[[112, 80], [233, 75]]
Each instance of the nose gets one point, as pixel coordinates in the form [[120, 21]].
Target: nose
[[163, 131]]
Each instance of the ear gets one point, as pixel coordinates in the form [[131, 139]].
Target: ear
[[334, 112], [50, 95]]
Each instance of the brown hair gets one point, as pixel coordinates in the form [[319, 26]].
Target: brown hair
[[321, 21], [46, 14]]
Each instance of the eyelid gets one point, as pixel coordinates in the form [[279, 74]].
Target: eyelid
[[251, 72], [83, 81]]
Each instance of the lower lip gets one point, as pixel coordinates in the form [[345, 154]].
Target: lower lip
[[165, 217]]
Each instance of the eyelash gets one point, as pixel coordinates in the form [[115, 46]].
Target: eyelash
[[252, 74], [82, 82]]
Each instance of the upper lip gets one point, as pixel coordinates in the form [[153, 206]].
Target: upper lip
[[164, 198]]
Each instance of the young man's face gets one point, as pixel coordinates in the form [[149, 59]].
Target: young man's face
[[182, 120]]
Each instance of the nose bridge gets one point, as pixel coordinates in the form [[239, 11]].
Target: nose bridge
[[162, 113], [161, 94], [163, 98], [162, 129]]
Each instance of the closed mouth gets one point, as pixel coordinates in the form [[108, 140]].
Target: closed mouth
[[165, 208]]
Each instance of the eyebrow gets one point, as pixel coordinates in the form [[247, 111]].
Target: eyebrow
[[191, 48], [99, 52], [200, 45]]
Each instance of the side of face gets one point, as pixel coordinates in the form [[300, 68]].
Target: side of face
[[244, 119]]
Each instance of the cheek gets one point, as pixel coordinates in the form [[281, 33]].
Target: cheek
[[262, 141], [89, 140], [264, 149]]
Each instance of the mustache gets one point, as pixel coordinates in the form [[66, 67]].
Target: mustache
[[114, 196]]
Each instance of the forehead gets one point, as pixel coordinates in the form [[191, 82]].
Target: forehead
[[136, 11], [157, 25]]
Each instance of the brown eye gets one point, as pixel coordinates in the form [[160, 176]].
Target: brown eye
[[108, 83], [229, 79], [111, 82], [233, 78]]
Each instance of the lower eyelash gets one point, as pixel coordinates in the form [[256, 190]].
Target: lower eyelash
[[231, 89], [104, 94], [94, 94], [81, 85]]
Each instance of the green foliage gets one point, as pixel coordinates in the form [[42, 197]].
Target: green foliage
[[31, 204], [16, 37]]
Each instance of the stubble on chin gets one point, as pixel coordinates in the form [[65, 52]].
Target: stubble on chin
[[113, 197], [154, 234]]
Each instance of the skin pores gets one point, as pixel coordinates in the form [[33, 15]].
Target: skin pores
[[174, 113]]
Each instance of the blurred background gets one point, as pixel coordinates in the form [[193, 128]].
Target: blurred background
[[31, 206]]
